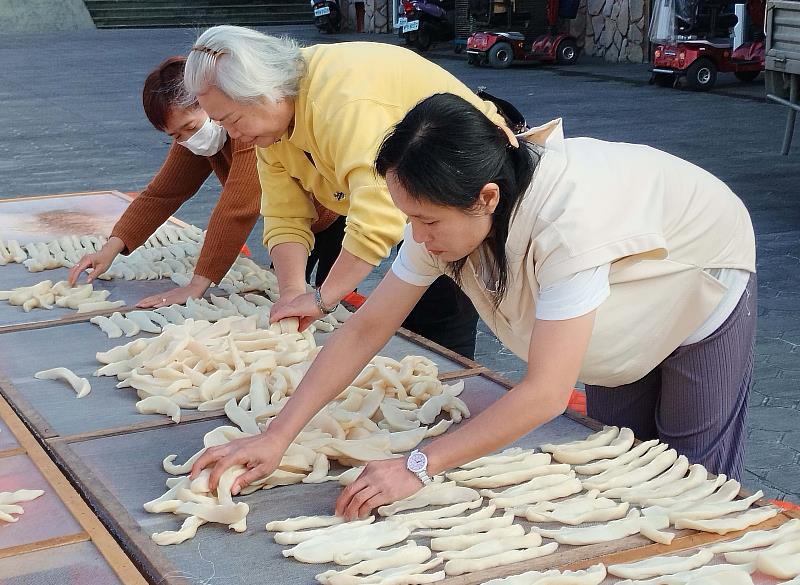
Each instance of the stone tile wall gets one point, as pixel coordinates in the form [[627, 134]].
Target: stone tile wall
[[376, 15], [613, 29]]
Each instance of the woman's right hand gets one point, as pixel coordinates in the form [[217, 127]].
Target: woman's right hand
[[259, 454], [99, 261], [303, 307]]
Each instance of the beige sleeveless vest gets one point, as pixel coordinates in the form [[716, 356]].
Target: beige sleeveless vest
[[659, 220]]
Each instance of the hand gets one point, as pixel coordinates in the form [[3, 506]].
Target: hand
[[258, 454], [381, 482], [98, 262], [303, 306], [176, 296]]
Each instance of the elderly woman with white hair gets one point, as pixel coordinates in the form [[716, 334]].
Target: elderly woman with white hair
[[199, 148], [317, 116]]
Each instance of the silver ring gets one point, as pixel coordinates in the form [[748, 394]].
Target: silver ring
[[163, 300]]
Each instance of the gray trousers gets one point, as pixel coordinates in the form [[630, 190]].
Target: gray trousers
[[696, 399]]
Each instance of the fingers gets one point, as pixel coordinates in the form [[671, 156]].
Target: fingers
[[209, 457], [372, 504], [304, 323], [98, 268], [244, 480], [222, 466], [73, 275], [302, 306], [280, 311], [347, 493], [150, 302], [177, 296], [75, 271], [353, 508]]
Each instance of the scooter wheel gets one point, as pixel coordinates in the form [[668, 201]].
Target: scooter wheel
[[701, 75], [500, 56], [567, 52]]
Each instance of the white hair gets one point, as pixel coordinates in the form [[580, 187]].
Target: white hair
[[244, 64]]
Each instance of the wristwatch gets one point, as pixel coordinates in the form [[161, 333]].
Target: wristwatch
[[320, 305], [417, 463]]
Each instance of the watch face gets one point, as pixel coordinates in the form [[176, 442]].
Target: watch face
[[417, 462]]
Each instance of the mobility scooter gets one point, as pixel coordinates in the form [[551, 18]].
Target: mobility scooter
[[522, 30], [693, 42]]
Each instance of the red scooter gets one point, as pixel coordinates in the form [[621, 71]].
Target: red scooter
[[693, 42], [541, 40]]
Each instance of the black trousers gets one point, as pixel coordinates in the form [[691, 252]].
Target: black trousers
[[444, 314], [327, 245]]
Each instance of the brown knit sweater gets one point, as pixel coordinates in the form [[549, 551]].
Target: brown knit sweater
[[235, 214]]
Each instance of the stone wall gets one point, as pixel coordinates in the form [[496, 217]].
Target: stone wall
[[613, 29], [43, 16], [376, 16]]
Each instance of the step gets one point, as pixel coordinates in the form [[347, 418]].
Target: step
[[164, 13], [172, 22], [102, 13], [147, 7], [186, 3]]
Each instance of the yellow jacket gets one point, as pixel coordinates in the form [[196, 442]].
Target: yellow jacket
[[350, 97]]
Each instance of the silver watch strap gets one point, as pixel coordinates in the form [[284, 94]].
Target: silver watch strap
[[424, 477]]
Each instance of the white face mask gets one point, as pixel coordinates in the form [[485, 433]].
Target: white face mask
[[208, 140]]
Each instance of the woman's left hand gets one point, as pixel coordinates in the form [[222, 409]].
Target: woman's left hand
[[177, 296], [303, 306], [381, 482]]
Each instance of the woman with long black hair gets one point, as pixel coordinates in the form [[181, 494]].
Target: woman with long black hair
[[614, 264]]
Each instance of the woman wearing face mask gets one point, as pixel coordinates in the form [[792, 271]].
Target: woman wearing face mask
[[317, 116], [200, 147], [615, 264]]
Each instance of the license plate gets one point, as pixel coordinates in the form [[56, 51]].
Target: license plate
[[411, 26], [322, 11], [401, 22]]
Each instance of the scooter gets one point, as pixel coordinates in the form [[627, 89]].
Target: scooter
[[422, 22], [327, 15], [531, 35], [693, 41]]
